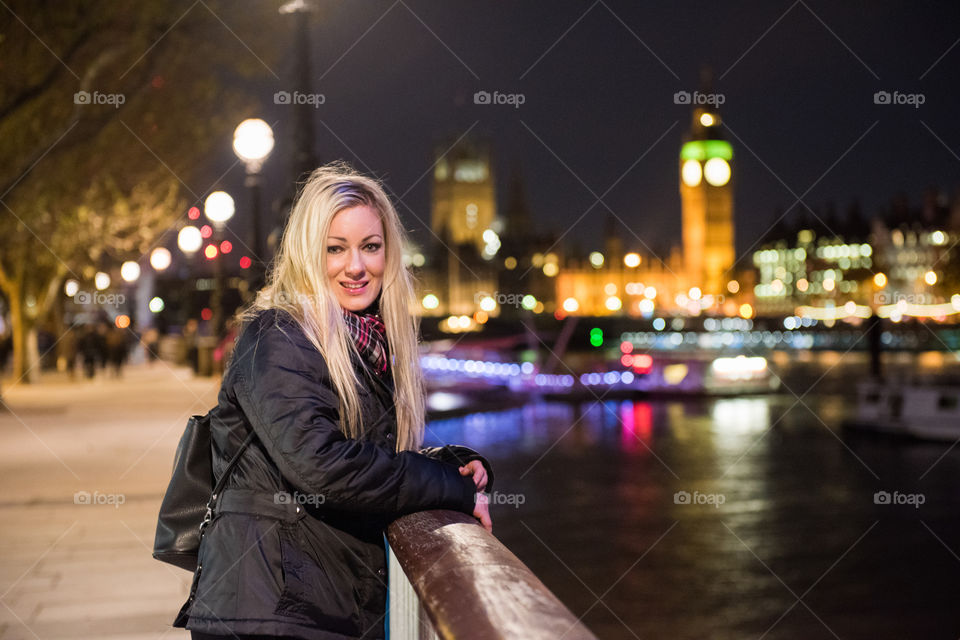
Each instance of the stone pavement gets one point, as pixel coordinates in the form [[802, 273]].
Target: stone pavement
[[75, 570]]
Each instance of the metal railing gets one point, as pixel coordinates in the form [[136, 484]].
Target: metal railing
[[450, 578]]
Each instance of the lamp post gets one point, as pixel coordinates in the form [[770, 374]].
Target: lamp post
[[189, 241], [253, 142], [218, 208]]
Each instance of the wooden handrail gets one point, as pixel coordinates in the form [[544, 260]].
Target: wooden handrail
[[470, 585]]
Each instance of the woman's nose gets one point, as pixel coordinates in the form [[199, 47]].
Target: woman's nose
[[355, 267]]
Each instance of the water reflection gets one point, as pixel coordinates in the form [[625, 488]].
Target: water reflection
[[601, 481]]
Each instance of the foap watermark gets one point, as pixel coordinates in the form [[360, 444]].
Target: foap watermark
[[685, 497], [312, 499], [98, 298], [512, 499], [85, 497], [896, 97], [312, 99], [897, 498], [512, 99], [699, 98], [895, 297], [501, 299], [283, 297], [113, 99]]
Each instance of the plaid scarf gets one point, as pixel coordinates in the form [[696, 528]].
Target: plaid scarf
[[370, 336]]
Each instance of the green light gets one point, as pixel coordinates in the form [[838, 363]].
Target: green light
[[596, 337], [703, 150], [528, 302]]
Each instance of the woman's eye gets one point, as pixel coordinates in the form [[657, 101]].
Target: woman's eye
[[334, 249], [373, 246]]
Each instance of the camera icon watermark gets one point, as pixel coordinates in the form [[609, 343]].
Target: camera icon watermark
[[699, 98], [713, 499], [100, 299], [311, 499], [912, 99], [312, 99], [512, 99], [113, 99], [897, 498], [97, 498]]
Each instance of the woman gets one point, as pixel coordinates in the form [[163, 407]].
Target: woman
[[325, 375]]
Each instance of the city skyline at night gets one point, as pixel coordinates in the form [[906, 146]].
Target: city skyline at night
[[803, 88]]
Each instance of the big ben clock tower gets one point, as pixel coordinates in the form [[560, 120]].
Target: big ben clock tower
[[706, 195]]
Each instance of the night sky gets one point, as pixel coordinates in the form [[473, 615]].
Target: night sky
[[598, 81]]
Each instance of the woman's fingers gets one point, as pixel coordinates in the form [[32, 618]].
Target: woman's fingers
[[481, 511], [475, 468]]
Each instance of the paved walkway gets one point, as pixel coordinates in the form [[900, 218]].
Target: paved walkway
[[70, 570]]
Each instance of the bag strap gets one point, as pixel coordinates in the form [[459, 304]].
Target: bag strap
[[183, 615], [217, 488]]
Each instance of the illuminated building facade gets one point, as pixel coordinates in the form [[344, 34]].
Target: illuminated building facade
[[902, 267], [811, 270], [698, 279], [706, 200], [464, 200], [482, 255]]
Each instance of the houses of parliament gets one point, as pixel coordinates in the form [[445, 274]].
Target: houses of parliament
[[483, 262]]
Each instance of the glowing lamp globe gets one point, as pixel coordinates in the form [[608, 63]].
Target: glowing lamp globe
[[189, 239], [218, 207], [253, 140]]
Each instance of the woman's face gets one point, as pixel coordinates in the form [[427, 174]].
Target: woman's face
[[356, 257]]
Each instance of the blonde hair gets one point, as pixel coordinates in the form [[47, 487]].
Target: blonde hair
[[298, 284]]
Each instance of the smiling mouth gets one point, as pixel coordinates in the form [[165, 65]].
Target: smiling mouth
[[354, 286]]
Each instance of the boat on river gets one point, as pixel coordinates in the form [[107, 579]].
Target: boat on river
[[928, 411]]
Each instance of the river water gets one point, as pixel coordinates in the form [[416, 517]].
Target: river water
[[747, 517]]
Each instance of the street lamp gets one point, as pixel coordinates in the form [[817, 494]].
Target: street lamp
[[219, 208], [189, 240], [130, 271], [160, 258], [253, 142]]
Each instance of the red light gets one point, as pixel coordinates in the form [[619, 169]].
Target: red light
[[245, 262], [210, 251], [157, 82], [626, 360], [193, 213], [626, 347], [226, 246], [206, 231], [642, 363], [206, 314]]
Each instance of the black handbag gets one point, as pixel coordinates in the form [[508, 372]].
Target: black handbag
[[187, 505]]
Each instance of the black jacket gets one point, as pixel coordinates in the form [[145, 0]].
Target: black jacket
[[296, 544]]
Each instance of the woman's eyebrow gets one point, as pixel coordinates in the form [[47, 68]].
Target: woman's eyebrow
[[372, 235]]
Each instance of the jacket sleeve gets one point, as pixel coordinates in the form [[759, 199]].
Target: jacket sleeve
[[282, 386], [460, 455]]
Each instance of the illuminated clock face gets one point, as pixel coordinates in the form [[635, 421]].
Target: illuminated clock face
[[717, 171], [691, 173]]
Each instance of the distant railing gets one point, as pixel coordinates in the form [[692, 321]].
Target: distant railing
[[449, 578]]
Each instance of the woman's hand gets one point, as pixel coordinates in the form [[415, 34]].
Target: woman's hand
[[481, 511], [475, 468]]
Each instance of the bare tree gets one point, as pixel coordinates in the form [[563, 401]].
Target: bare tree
[[109, 112]]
